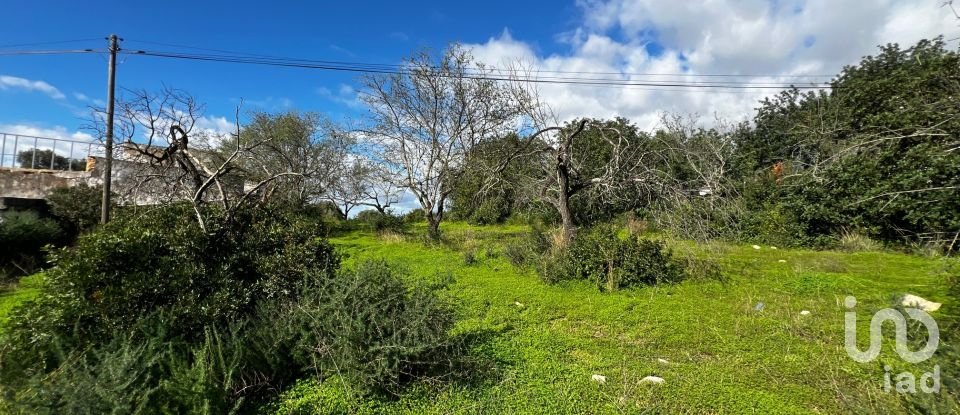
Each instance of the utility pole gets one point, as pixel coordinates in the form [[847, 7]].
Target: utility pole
[[108, 145]]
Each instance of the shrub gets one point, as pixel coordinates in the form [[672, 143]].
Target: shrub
[[145, 371], [598, 254], [161, 262], [380, 222], [469, 257], [22, 238], [366, 326], [415, 216], [77, 208], [528, 249]]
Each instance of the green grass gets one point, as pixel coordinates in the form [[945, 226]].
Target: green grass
[[17, 294], [724, 357], [547, 341]]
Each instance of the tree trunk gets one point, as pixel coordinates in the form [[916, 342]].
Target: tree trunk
[[563, 195], [566, 217], [433, 226]]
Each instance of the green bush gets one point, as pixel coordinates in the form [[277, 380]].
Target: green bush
[[380, 222], [366, 326], [529, 249], [598, 254], [161, 262], [414, 216], [22, 238], [142, 372], [77, 208]]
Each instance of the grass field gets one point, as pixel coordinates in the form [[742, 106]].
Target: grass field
[[722, 356]]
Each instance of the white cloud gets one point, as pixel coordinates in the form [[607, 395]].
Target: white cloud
[[345, 95], [15, 138], [217, 126], [57, 132], [779, 40], [13, 82]]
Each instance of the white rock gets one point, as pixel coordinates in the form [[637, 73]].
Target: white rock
[[663, 361], [773, 247], [782, 261], [911, 300], [518, 304], [652, 380], [805, 313], [599, 379], [756, 247]]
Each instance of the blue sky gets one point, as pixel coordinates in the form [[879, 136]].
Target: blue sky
[[347, 31], [783, 40]]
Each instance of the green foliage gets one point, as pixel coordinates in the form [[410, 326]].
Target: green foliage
[[415, 216], [77, 208], [366, 326], [479, 202], [161, 262], [599, 255], [879, 159], [527, 250], [47, 159], [22, 238], [380, 222], [146, 371]]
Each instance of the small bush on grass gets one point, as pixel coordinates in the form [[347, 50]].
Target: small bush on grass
[[600, 255], [366, 326], [380, 222], [469, 257], [528, 250]]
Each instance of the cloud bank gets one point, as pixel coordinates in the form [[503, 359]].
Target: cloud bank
[[778, 41]]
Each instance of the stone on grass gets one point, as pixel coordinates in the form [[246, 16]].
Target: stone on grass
[[653, 380], [599, 379], [758, 307], [663, 361], [910, 300], [805, 313], [773, 247], [518, 304], [756, 247]]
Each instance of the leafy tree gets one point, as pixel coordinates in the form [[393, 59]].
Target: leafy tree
[[48, 159], [877, 152]]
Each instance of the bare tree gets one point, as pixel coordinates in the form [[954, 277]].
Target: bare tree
[[609, 164], [165, 158], [379, 190], [348, 189], [426, 118]]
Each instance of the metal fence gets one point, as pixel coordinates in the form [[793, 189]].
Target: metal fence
[[45, 153]]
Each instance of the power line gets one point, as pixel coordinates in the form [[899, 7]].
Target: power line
[[54, 42], [48, 52], [235, 54], [368, 68]]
